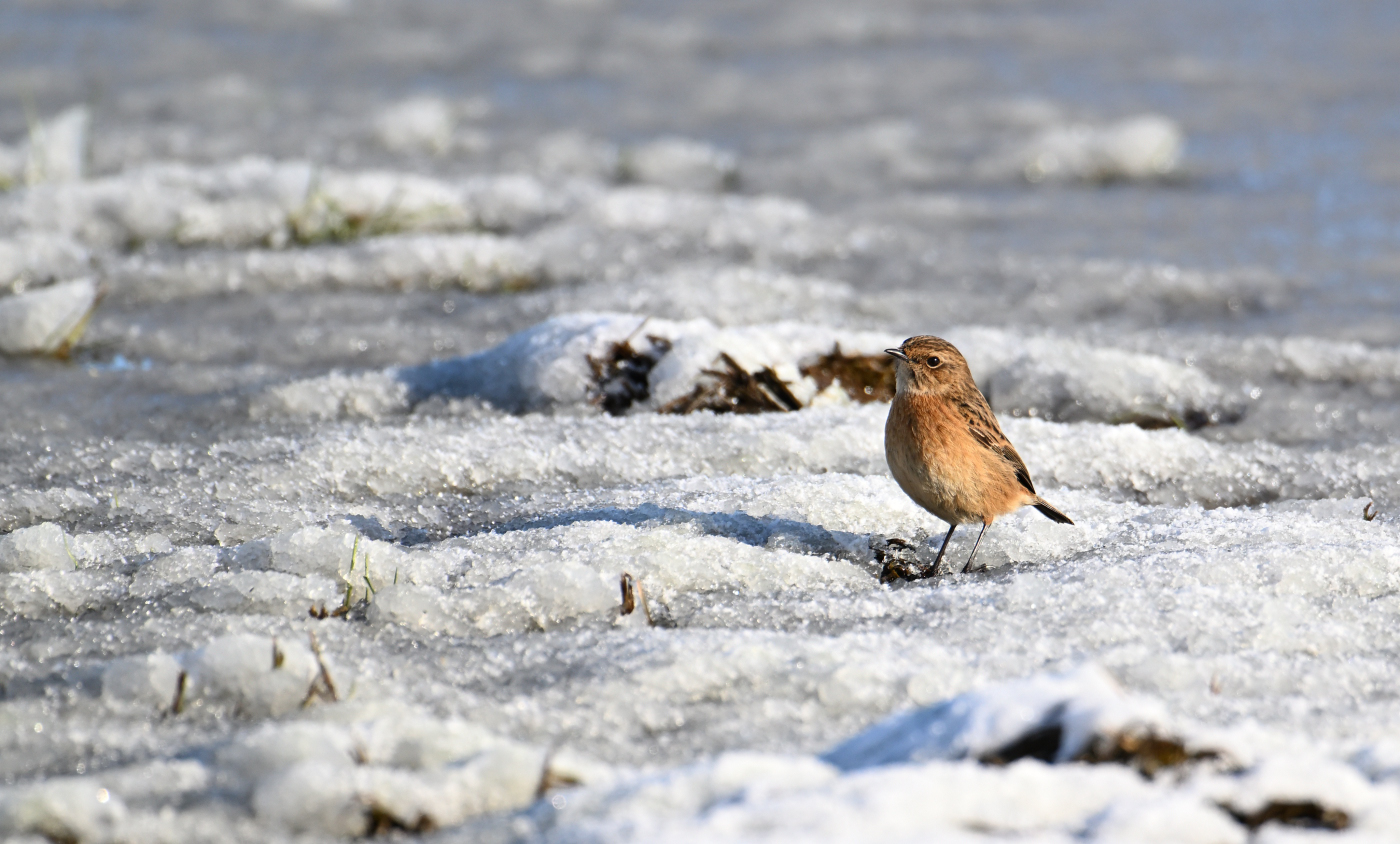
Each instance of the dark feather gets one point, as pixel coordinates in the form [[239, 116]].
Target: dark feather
[[984, 428], [1051, 513]]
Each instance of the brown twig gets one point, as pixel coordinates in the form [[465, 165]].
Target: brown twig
[[633, 594], [322, 685], [178, 705]]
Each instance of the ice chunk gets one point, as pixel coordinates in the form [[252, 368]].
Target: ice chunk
[[35, 594], [371, 394], [515, 202], [572, 153], [275, 747], [518, 580], [681, 163], [149, 680], [255, 675], [333, 799], [43, 546], [232, 223], [1146, 147], [30, 259], [418, 123], [1061, 714], [335, 552], [1294, 779], [158, 781], [346, 205], [647, 802], [261, 202], [23, 507], [181, 566], [154, 543], [267, 593], [477, 262], [1380, 761], [536, 369], [1169, 819], [46, 321], [58, 147], [1070, 382], [61, 809], [764, 229], [754, 797]]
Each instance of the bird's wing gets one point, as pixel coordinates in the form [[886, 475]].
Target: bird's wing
[[984, 428]]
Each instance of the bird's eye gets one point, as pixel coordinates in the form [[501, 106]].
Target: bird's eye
[[933, 362]]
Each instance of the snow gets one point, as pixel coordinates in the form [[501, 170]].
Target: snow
[[326, 480], [680, 163], [1082, 705], [1145, 147], [423, 122], [46, 320]]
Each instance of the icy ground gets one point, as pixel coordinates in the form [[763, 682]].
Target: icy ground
[[316, 523]]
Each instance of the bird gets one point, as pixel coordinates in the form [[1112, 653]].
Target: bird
[[946, 450]]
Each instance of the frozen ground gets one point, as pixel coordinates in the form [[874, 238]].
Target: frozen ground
[[315, 526]]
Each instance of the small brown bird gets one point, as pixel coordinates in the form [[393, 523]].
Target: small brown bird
[[947, 451]]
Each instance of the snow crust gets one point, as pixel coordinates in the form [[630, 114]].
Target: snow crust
[[321, 531], [45, 320], [1083, 704], [547, 368], [1146, 147]]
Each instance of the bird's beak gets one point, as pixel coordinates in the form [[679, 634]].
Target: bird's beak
[[896, 353]]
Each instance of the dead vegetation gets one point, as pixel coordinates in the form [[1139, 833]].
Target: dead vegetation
[[349, 608], [621, 379], [1370, 512], [621, 376], [322, 685], [1303, 813], [382, 821], [1145, 752], [733, 389], [865, 378], [898, 559], [633, 595], [178, 705]]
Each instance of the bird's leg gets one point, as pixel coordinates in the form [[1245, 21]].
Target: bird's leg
[[933, 570], [967, 568]]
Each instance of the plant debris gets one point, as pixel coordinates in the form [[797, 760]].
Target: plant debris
[[633, 594], [865, 378], [1370, 511], [322, 686], [551, 779], [898, 559], [734, 389], [620, 377], [1147, 753], [1304, 813], [1190, 420], [178, 705], [382, 822]]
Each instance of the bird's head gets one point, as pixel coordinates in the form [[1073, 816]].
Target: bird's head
[[929, 364]]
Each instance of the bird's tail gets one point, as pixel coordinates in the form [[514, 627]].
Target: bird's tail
[[1050, 512]]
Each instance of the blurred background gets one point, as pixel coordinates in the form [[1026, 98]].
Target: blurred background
[[925, 115]]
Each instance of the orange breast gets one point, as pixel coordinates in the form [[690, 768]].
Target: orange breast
[[939, 464]]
